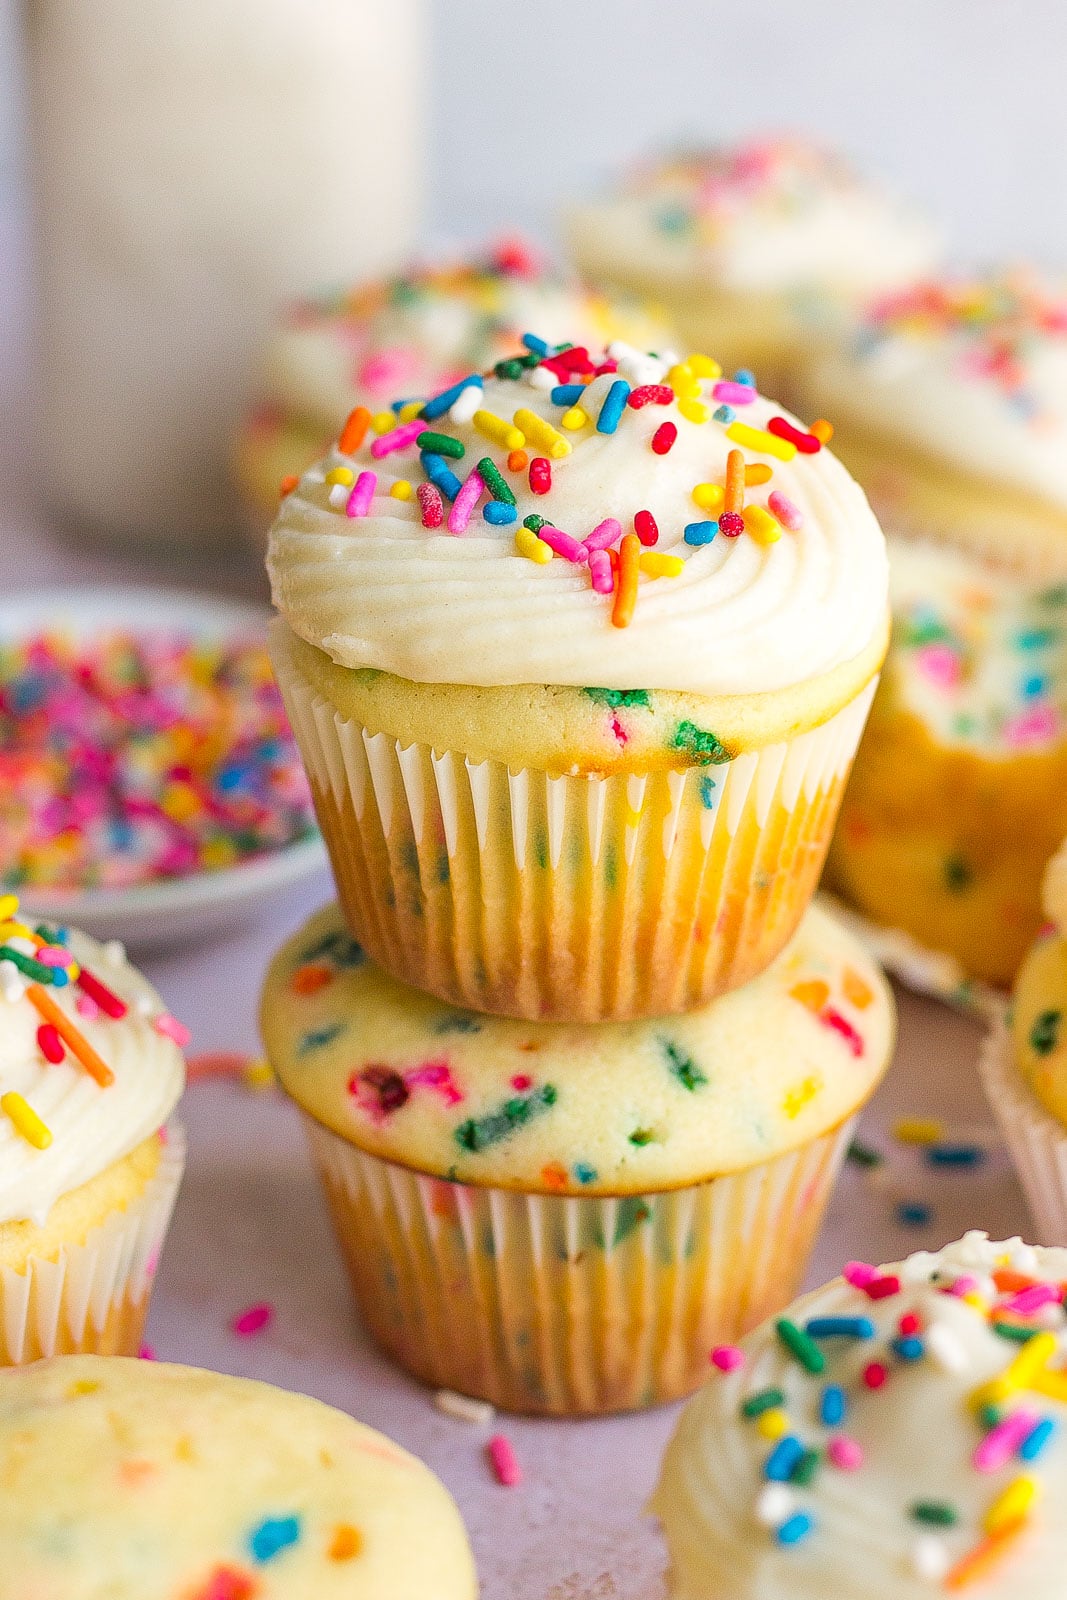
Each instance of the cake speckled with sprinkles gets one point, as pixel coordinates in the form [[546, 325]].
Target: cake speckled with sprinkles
[[485, 1172], [577, 653], [132, 1480], [897, 1434]]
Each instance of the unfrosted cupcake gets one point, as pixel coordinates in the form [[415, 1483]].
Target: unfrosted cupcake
[[899, 1434], [951, 407], [578, 661], [758, 251], [90, 1072], [565, 1219], [139, 1481], [408, 336]]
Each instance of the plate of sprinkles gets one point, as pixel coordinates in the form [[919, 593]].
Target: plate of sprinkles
[[149, 782]]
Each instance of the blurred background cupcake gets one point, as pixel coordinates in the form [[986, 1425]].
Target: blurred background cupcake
[[566, 1219], [90, 1161], [131, 1478], [758, 250], [951, 406]]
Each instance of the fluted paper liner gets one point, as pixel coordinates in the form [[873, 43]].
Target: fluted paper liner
[[92, 1298], [563, 1304], [1036, 1141], [581, 898]]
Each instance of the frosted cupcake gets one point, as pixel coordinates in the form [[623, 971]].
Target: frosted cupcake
[[898, 1434], [408, 335], [134, 1480], [90, 1072], [577, 662], [951, 407], [566, 1219], [757, 251]]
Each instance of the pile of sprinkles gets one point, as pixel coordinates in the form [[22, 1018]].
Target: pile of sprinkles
[[892, 1325], [623, 389]]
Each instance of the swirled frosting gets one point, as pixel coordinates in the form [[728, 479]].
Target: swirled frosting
[[742, 615], [90, 1126], [904, 1496]]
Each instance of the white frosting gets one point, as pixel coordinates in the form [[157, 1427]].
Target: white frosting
[[91, 1126], [918, 1435], [381, 591]]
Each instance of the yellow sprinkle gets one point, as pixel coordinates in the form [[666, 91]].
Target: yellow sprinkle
[[83, 1386], [796, 1099], [694, 410], [258, 1075], [574, 419], [975, 1300], [772, 1424], [703, 366], [709, 496], [761, 527], [918, 1130], [1023, 1373], [25, 1120], [823, 430], [1011, 1503], [384, 422], [658, 564], [492, 427], [757, 439], [757, 472], [17, 930], [684, 382], [343, 475], [534, 549], [542, 433], [409, 411], [401, 489], [1051, 1384], [9, 905]]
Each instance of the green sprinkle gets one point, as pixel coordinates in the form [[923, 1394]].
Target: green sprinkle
[[763, 1400], [806, 1468], [441, 444], [534, 522], [958, 874], [494, 482], [703, 748], [318, 1037], [864, 1155], [1045, 1033], [935, 1513], [1014, 1332], [642, 1136], [620, 697], [990, 1415], [707, 792], [339, 946], [800, 1345], [28, 966], [478, 1133], [512, 367], [682, 1066]]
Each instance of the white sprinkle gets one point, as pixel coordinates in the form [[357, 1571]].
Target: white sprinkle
[[468, 401], [775, 1503], [1023, 1257], [929, 1558], [115, 953], [946, 1349], [463, 1408], [339, 494], [540, 378], [145, 1006], [25, 947], [13, 985]]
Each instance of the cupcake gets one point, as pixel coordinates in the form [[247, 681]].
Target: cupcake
[[565, 1219], [899, 1433], [757, 251], [951, 407], [577, 661], [90, 1072], [136, 1480], [408, 335]]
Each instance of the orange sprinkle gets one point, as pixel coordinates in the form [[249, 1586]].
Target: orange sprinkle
[[758, 472], [977, 1562], [554, 1176], [734, 498], [518, 461], [287, 485], [622, 611], [813, 994], [346, 1542], [72, 1037], [1009, 1282], [857, 989], [354, 431], [310, 979], [823, 430]]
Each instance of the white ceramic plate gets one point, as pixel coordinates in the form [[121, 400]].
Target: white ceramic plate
[[174, 910]]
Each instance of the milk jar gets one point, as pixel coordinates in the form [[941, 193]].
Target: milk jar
[[194, 163]]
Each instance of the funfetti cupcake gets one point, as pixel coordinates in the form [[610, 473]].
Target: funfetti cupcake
[[951, 407], [139, 1481], [406, 336], [90, 1157], [757, 250], [898, 1434], [561, 1218], [577, 661]]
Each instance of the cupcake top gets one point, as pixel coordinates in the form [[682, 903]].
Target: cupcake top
[[899, 1433], [131, 1479], [621, 520], [90, 1064], [972, 374], [1055, 889], [777, 215], [1038, 1017], [573, 1109]]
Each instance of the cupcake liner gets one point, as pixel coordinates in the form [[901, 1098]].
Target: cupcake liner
[[92, 1299], [563, 1304], [1036, 1141], [581, 898]]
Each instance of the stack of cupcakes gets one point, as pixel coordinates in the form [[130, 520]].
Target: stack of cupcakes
[[578, 653]]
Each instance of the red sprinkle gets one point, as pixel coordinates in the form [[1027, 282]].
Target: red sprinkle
[[609, 364], [51, 1045], [431, 505], [731, 523], [664, 438], [645, 527], [882, 1288], [576, 360], [650, 394], [108, 1002], [540, 475], [258, 1317], [806, 443], [875, 1375], [831, 1018], [504, 1462], [909, 1324]]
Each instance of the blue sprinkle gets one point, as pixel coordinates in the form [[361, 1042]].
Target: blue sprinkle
[[499, 513], [839, 1328], [319, 1037], [914, 1213], [1035, 686], [782, 1461], [832, 1406], [439, 472], [700, 532], [447, 398], [1037, 638], [724, 414], [955, 1155], [585, 1173], [532, 342], [795, 1528], [1034, 1443], [910, 1349], [707, 792], [566, 394], [60, 978], [613, 407], [272, 1536], [746, 376]]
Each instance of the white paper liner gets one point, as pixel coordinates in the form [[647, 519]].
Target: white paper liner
[[94, 1293], [571, 1304], [1037, 1142]]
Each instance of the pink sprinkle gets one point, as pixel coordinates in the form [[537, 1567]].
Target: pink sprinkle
[[833, 1019], [620, 733], [727, 1357], [87, 1007], [436, 1075], [254, 1320], [603, 534], [965, 1284], [563, 544], [170, 1028], [397, 439], [939, 663], [845, 1453], [789, 515], [504, 1462], [882, 1288], [1001, 1442], [734, 394], [521, 1081], [859, 1274], [359, 500], [1036, 727], [1027, 1301], [147, 1352], [431, 505], [51, 955], [600, 571], [469, 494]]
